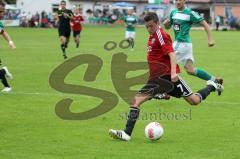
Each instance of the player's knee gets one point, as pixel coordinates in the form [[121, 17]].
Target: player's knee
[[134, 103], [130, 40], [138, 100], [62, 40], [189, 70], [194, 102]]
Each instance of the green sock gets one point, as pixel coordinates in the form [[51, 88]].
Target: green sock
[[203, 74]]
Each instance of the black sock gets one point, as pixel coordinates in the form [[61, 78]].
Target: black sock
[[66, 43], [203, 93], [63, 48], [132, 117], [133, 43], [3, 78]]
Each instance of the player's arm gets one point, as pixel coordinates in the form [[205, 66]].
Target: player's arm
[[56, 16], [166, 24], [195, 19], [135, 22], [134, 25], [82, 20], [71, 16], [173, 61], [209, 34], [8, 39], [68, 15], [125, 22], [71, 23]]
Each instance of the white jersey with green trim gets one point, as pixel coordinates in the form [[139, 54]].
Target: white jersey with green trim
[[182, 22]]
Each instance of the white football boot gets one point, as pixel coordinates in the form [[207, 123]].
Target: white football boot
[[219, 88], [119, 134], [7, 89]]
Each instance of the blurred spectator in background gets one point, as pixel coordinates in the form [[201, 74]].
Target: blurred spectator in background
[[232, 21], [217, 21], [44, 20], [141, 18]]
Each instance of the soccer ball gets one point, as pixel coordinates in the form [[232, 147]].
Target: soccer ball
[[154, 131]]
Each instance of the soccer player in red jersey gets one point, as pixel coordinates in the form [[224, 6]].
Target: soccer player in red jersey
[[164, 77], [76, 24]]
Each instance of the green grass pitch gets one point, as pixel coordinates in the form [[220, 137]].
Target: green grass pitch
[[30, 129]]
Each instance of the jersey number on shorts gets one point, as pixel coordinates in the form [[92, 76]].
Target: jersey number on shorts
[[181, 88]]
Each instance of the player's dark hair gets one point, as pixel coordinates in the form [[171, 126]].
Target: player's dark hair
[[151, 16], [2, 3], [63, 1]]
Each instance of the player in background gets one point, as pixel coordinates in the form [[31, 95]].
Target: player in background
[[64, 29], [130, 23], [181, 19], [160, 54], [4, 73], [76, 24]]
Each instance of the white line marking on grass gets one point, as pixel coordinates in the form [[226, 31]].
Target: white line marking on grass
[[227, 103], [49, 94]]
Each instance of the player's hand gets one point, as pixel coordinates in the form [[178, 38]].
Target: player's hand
[[174, 77], [166, 24], [11, 44], [211, 43], [65, 15]]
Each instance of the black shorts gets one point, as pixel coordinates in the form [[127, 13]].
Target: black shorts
[[179, 89], [76, 33], [64, 32]]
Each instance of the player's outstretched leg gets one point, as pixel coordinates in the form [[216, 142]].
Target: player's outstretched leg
[[199, 72], [202, 94]]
